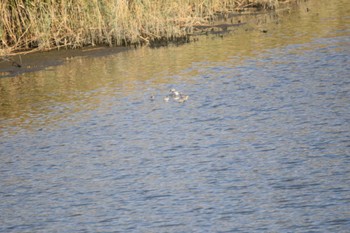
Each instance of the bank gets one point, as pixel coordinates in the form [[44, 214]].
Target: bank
[[89, 27]]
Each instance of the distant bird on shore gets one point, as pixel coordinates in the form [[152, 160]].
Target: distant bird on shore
[[13, 62]]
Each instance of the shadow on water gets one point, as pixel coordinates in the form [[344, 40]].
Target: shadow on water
[[262, 144]]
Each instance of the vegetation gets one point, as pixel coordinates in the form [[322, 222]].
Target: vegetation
[[48, 24]]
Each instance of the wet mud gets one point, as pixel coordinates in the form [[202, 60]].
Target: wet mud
[[31, 62]]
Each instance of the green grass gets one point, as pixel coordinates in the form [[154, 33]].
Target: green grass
[[39, 25]]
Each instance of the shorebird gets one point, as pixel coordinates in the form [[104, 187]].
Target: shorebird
[[174, 93], [183, 98], [166, 98]]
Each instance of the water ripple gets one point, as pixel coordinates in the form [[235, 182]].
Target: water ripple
[[262, 146]]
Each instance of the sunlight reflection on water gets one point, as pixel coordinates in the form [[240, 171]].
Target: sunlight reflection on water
[[262, 144]]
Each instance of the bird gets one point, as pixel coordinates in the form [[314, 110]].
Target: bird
[[152, 98], [183, 98], [174, 93], [166, 98]]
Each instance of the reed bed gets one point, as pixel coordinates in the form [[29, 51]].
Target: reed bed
[[36, 25]]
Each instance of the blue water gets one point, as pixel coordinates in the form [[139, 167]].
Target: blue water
[[260, 146]]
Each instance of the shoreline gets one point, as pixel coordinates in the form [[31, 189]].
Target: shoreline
[[37, 61], [53, 25], [31, 61]]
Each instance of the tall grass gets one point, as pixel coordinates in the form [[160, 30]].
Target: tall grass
[[48, 24]]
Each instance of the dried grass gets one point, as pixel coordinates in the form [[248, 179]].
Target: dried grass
[[51, 24]]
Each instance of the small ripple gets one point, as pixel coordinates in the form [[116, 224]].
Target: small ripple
[[339, 222], [295, 186], [160, 196], [108, 220], [170, 225]]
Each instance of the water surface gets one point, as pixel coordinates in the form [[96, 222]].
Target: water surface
[[262, 144]]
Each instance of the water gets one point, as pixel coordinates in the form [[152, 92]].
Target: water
[[262, 144]]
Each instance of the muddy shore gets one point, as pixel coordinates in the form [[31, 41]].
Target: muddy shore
[[32, 62], [35, 61]]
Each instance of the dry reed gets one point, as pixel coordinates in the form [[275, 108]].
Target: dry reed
[[31, 25]]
